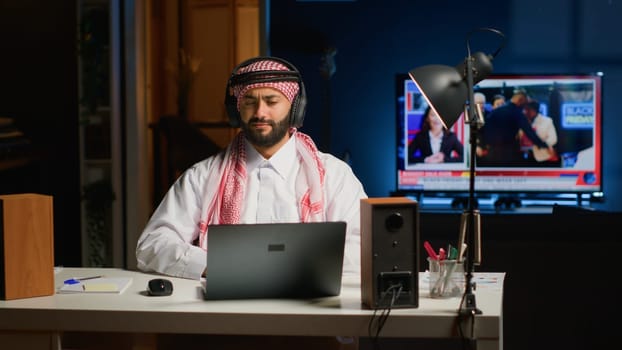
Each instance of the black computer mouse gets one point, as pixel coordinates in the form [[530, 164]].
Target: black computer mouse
[[160, 287]]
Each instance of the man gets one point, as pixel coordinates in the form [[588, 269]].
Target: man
[[499, 135], [498, 100], [270, 172], [545, 129], [480, 99]]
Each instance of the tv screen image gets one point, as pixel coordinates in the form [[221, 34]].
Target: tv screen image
[[572, 103]]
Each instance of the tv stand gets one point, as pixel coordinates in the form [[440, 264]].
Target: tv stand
[[508, 202], [498, 202], [462, 203]]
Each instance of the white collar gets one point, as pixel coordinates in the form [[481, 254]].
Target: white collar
[[282, 161]]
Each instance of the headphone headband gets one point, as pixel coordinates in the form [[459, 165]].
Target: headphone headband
[[264, 76]]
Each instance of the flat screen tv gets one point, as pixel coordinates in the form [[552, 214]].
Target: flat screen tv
[[572, 101]]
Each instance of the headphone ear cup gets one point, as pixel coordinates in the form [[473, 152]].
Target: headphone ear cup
[[231, 105], [299, 107]]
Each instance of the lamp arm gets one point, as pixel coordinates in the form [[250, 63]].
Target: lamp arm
[[474, 125], [476, 68], [468, 306]]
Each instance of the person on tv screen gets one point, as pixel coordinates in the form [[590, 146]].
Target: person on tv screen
[[545, 129], [433, 143], [269, 173], [480, 100], [499, 145], [498, 100]]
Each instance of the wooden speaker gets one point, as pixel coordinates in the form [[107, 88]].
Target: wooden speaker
[[26, 246], [389, 252]]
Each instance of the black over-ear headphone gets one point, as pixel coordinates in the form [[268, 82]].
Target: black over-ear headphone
[[297, 112]]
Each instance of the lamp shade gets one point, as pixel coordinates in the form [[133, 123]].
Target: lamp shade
[[446, 88]]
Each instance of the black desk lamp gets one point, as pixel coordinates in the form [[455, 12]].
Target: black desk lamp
[[449, 92]]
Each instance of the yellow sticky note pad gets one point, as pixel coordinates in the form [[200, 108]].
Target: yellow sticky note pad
[[100, 287]]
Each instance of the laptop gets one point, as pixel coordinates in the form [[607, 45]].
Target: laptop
[[275, 260]]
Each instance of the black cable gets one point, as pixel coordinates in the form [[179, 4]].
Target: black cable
[[468, 343], [395, 290], [486, 29]]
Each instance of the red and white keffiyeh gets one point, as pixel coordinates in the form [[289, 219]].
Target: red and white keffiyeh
[[287, 88], [226, 186]]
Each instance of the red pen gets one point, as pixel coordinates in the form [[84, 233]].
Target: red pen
[[442, 254], [430, 250]]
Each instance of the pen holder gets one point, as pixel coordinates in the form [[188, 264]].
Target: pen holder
[[446, 278]]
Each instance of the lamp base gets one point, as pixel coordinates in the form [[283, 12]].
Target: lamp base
[[469, 307]]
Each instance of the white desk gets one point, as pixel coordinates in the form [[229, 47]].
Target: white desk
[[186, 312]]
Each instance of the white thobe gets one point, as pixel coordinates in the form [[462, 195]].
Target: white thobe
[[166, 244]]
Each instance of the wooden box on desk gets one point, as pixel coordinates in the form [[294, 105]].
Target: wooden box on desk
[[26, 246]]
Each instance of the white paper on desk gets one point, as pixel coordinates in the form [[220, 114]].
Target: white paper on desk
[[115, 285]]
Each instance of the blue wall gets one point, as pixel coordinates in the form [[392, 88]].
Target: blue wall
[[376, 39]]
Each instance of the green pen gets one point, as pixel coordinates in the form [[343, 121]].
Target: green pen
[[453, 253]]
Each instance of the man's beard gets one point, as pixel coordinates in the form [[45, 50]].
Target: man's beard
[[279, 130]]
